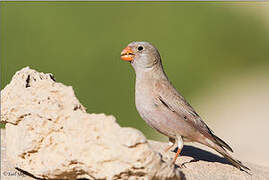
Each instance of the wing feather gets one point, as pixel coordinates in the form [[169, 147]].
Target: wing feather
[[171, 98]]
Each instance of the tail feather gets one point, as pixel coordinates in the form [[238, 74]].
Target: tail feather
[[219, 146], [222, 143], [235, 162]]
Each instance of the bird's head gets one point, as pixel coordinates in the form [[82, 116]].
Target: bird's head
[[141, 55]]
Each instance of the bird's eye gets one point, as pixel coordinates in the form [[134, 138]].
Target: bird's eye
[[140, 48]]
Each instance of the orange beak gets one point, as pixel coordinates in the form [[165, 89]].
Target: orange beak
[[127, 54]]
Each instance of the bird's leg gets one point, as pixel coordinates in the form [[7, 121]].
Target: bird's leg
[[177, 154], [170, 145], [179, 147]]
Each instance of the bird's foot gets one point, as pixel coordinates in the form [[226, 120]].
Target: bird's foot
[[170, 145], [168, 148]]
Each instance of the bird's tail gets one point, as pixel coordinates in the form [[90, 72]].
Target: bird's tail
[[235, 162], [219, 146]]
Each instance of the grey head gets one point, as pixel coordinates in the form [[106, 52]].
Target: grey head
[[142, 55]]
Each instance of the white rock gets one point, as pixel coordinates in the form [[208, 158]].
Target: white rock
[[50, 135]]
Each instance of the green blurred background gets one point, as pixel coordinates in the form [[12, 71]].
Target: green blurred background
[[80, 43]]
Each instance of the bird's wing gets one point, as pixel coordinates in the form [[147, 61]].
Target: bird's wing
[[171, 98]]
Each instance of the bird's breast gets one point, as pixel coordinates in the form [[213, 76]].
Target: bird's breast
[[144, 103], [149, 110]]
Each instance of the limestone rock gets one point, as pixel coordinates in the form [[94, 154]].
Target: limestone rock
[[50, 135], [204, 165]]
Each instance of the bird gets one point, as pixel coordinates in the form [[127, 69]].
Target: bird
[[163, 108]]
